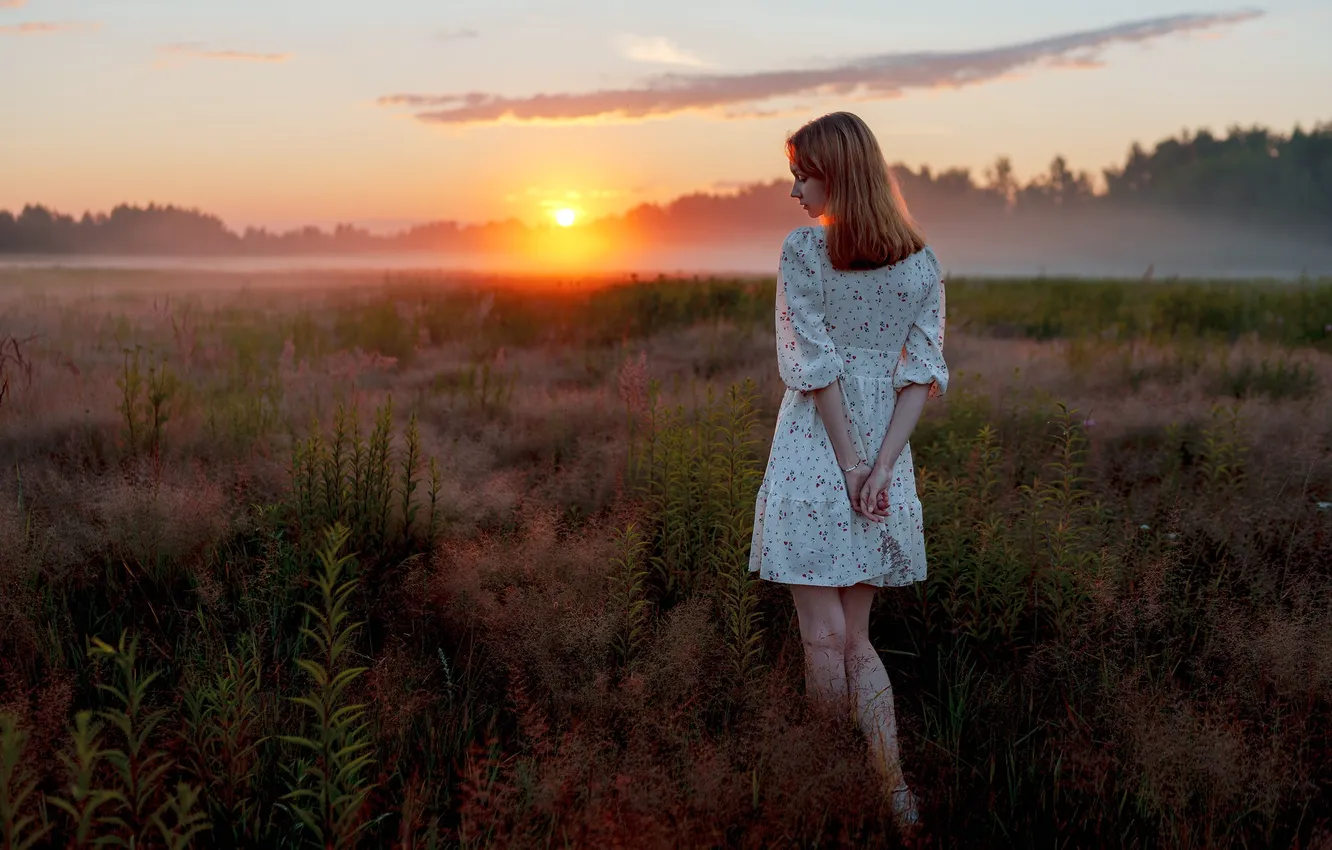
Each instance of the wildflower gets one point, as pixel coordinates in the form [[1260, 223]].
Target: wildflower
[[1172, 536], [1324, 506], [1145, 527]]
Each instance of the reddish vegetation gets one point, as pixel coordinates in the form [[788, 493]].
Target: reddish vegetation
[[1125, 635]]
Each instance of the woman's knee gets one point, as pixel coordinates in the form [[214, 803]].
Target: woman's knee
[[857, 645], [822, 624], [826, 635]]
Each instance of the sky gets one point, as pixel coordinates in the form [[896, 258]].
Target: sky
[[286, 112]]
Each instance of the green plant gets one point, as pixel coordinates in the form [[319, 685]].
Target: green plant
[[1223, 451], [145, 401], [682, 497], [330, 787], [951, 712], [699, 474], [179, 819], [736, 485], [350, 479], [1060, 517], [435, 515], [223, 724], [411, 466], [131, 384], [139, 768], [378, 327], [85, 798], [163, 386], [19, 830], [628, 598], [977, 584], [1279, 378]]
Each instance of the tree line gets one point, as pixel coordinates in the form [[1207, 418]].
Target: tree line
[[1253, 176]]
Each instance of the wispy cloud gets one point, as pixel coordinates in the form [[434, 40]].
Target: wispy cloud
[[879, 77], [48, 27], [195, 50], [13, 4], [657, 50], [459, 34]]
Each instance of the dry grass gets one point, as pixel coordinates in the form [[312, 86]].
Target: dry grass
[[1142, 660]]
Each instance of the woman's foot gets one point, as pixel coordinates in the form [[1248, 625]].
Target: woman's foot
[[904, 808]]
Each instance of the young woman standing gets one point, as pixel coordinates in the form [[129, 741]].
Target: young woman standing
[[860, 328]]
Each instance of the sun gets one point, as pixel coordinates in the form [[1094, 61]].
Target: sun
[[565, 217]]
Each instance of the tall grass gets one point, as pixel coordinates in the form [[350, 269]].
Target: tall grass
[[1121, 640], [1296, 314], [700, 473]]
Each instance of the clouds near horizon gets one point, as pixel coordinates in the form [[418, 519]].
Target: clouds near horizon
[[195, 50], [29, 28], [879, 77]]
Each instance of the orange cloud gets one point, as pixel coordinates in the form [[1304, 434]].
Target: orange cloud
[[194, 50], [879, 77], [13, 4], [48, 27]]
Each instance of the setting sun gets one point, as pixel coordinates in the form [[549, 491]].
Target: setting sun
[[565, 217]]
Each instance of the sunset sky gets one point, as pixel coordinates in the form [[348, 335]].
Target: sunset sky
[[285, 112]]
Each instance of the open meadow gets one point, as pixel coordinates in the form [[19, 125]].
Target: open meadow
[[414, 561]]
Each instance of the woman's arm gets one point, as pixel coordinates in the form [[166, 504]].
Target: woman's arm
[[829, 403], [906, 413], [832, 410]]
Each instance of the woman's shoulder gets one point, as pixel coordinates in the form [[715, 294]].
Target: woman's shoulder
[[803, 241], [927, 256], [922, 258], [805, 235]]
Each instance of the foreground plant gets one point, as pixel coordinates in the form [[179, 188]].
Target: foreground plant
[[737, 482], [330, 786], [84, 799], [18, 831], [223, 721], [140, 769], [628, 597]]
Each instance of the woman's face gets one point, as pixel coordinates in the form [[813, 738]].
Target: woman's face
[[811, 192]]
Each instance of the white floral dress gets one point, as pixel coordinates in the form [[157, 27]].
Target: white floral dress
[[876, 331]]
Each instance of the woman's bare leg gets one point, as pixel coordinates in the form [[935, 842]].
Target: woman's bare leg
[[868, 685], [823, 633]]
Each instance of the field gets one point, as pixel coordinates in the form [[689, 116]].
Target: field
[[415, 562]]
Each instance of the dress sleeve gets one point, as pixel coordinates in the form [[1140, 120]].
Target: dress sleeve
[[922, 360], [806, 356]]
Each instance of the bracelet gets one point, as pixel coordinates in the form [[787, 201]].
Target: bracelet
[[853, 466]]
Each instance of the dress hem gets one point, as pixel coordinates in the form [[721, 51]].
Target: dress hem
[[872, 581]]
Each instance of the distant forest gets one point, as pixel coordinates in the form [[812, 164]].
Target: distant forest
[[1253, 177]]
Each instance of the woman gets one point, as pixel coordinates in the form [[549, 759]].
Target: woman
[[860, 327]]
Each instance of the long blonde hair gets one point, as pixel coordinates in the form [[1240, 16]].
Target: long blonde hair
[[868, 222]]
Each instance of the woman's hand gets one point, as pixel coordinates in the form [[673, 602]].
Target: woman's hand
[[874, 492], [855, 487]]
